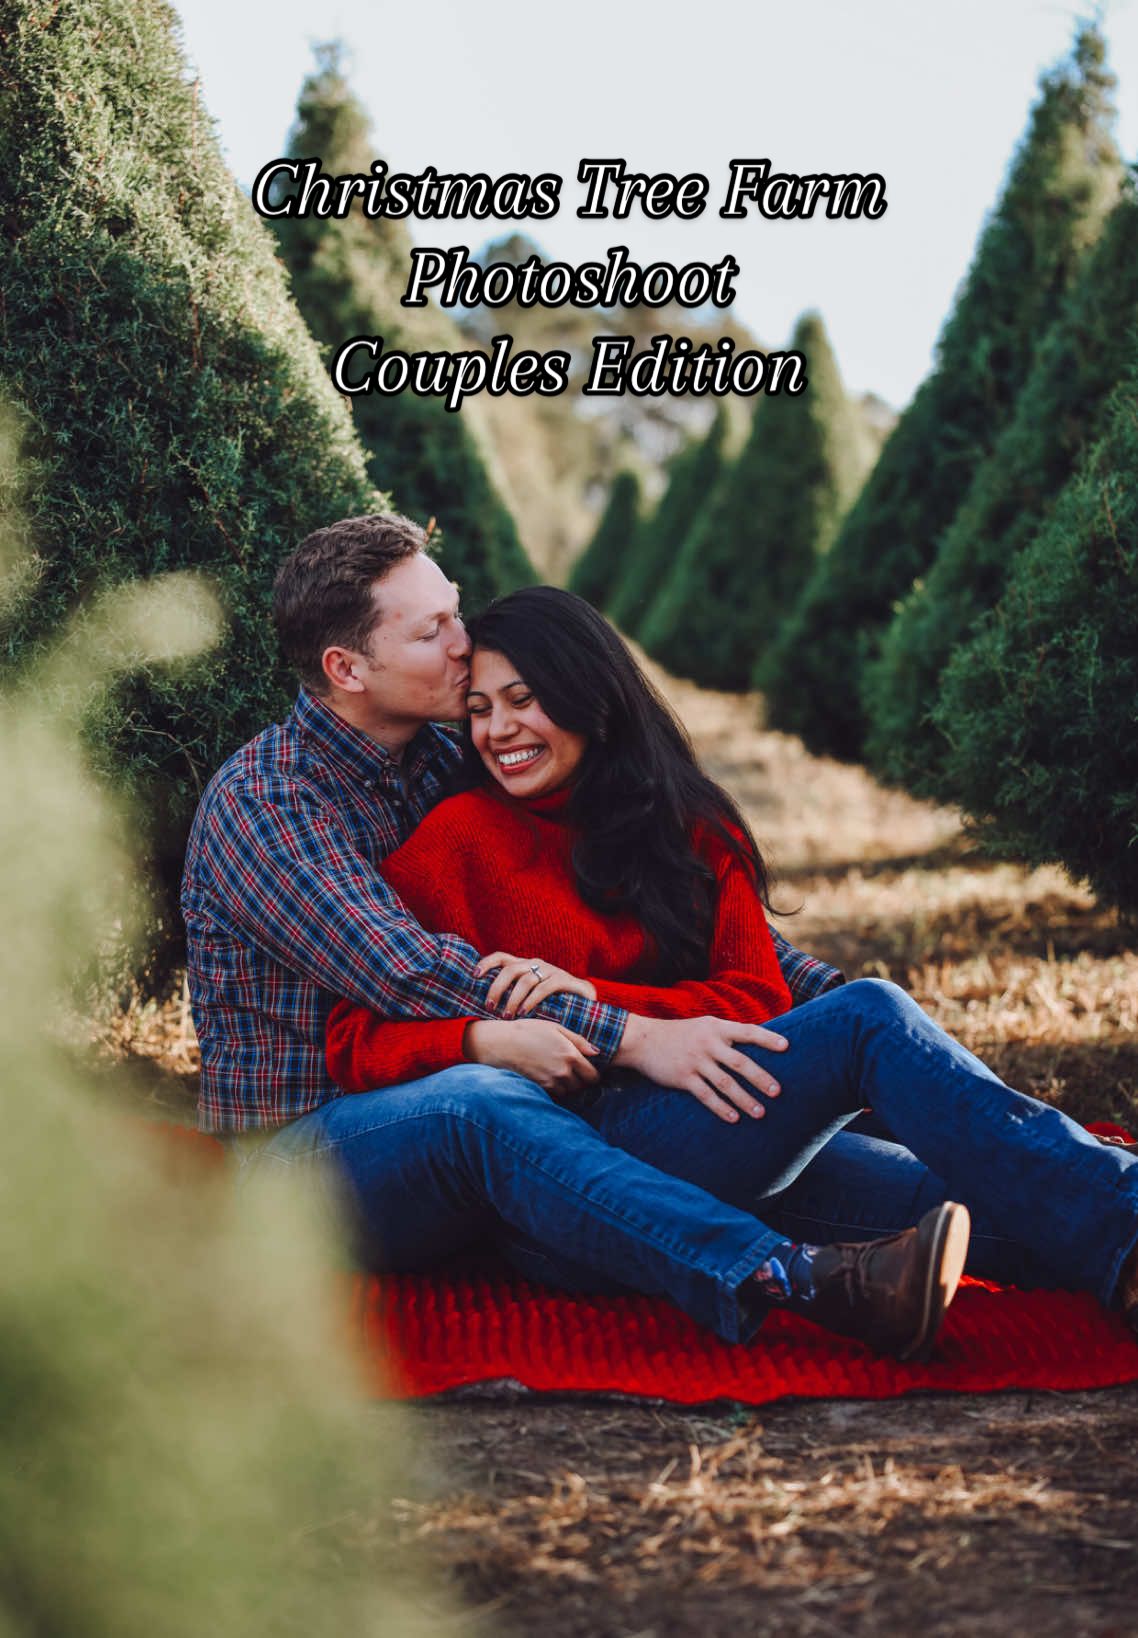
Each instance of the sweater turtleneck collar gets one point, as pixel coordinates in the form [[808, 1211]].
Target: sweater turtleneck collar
[[552, 805]]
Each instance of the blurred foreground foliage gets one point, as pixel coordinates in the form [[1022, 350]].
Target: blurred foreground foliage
[[185, 1446]]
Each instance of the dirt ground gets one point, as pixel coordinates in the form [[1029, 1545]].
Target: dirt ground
[[580, 1518], [1017, 1513]]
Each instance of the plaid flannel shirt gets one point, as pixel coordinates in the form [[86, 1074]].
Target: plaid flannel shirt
[[286, 911]]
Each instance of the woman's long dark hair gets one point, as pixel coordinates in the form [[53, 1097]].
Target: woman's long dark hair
[[639, 790]]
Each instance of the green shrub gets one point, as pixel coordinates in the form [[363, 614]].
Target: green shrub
[[1059, 411], [1062, 184], [1040, 710], [347, 277], [773, 513], [598, 568], [692, 476], [180, 412]]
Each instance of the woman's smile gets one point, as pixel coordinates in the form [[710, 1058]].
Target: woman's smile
[[513, 761]]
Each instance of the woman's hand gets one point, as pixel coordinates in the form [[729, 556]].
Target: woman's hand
[[542, 1051], [523, 983], [700, 1056]]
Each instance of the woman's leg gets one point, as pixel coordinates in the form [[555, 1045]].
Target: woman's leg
[[857, 1187], [1029, 1173], [860, 1187]]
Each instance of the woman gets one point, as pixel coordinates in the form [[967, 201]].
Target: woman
[[590, 853]]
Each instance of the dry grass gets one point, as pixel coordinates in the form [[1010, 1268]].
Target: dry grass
[[732, 1513], [587, 1520]]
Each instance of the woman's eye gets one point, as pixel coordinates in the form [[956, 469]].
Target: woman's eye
[[521, 699]]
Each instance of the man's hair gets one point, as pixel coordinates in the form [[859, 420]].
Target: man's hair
[[322, 596]]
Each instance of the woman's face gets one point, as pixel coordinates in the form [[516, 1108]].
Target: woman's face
[[525, 752]]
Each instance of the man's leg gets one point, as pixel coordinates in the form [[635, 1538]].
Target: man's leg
[[428, 1165], [1031, 1176]]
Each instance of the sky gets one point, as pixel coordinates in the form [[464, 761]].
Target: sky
[[933, 95]]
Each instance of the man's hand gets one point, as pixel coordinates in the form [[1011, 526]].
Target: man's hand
[[698, 1055], [543, 1052], [524, 982]]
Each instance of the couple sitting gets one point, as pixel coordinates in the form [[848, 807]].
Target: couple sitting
[[537, 1013]]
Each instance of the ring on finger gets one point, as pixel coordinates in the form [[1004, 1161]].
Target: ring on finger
[[521, 989]]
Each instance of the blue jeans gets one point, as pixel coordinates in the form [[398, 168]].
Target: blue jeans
[[646, 1189]]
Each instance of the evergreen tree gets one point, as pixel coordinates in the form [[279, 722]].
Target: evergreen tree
[[1061, 185], [348, 276], [1059, 412], [598, 567], [691, 481], [1042, 706], [773, 513], [178, 410]]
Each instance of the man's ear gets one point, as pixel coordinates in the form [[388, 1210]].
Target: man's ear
[[339, 666]]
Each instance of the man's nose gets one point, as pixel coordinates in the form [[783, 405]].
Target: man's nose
[[461, 645]]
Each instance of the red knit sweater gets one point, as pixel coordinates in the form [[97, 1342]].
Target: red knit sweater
[[499, 874]]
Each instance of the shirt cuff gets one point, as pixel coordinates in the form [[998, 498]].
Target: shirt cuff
[[601, 1025]]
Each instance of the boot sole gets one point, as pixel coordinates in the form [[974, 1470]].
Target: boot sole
[[947, 1255]]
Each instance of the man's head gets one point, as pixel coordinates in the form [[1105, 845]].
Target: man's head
[[371, 624]]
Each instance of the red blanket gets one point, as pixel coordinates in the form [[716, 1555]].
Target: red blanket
[[423, 1334]]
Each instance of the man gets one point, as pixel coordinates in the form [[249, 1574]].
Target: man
[[285, 910]]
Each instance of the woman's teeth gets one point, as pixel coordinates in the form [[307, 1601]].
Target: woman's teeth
[[517, 759]]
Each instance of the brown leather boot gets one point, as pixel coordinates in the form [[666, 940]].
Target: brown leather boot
[[893, 1293]]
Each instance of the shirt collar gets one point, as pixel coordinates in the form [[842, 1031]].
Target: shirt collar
[[361, 755]]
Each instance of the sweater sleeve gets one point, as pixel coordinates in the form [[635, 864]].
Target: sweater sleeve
[[744, 980], [364, 1051]]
